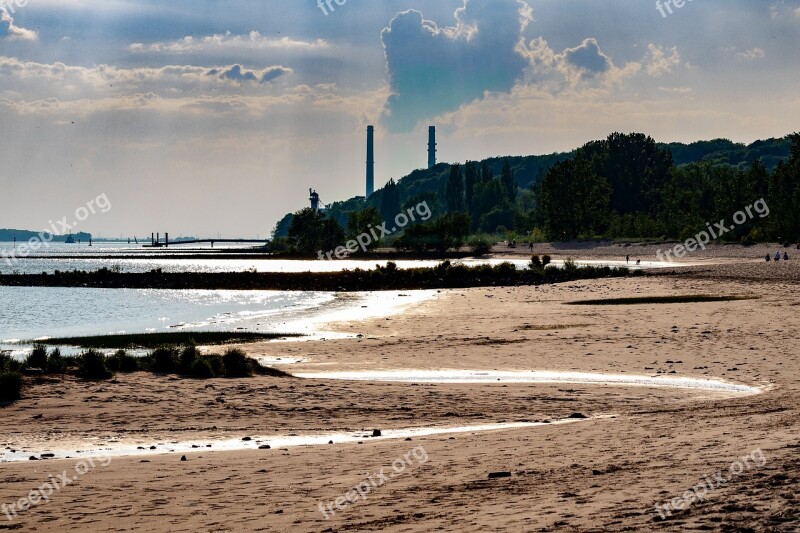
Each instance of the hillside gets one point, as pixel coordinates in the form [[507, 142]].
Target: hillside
[[528, 172]]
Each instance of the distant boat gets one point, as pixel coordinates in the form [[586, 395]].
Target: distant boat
[[70, 239]]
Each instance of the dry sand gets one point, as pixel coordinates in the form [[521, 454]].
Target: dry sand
[[602, 474]]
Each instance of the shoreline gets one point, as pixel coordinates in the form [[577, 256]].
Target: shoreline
[[601, 474], [443, 276]]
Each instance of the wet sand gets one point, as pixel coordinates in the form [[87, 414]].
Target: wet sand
[[602, 474]]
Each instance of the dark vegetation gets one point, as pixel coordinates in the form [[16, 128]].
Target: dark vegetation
[[685, 299], [94, 365], [623, 187], [443, 276], [21, 235], [154, 340]]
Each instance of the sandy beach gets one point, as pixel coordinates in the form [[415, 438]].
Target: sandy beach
[[640, 446]]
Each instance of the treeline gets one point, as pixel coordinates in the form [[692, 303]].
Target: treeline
[[625, 186], [21, 235]]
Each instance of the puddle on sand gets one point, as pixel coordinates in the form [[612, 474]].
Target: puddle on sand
[[479, 376], [276, 441]]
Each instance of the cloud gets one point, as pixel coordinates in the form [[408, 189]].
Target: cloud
[[585, 65], [433, 70], [239, 74], [587, 59], [227, 42], [66, 81], [751, 55], [676, 90], [9, 31], [660, 62]]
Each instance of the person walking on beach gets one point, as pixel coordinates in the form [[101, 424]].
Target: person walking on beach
[[627, 259]]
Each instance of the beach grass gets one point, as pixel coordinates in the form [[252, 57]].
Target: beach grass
[[154, 340], [681, 299]]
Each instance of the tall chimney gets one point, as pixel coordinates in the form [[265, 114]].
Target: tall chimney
[[431, 146], [370, 160]]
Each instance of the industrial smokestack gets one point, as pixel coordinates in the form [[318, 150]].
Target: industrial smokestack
[[370, 160], [431, 146]]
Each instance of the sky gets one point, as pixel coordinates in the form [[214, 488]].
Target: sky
[[215, 117]]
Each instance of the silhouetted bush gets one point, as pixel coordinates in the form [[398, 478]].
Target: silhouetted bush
[[201, 369], [10, 386], [188, 356], [479, 246], [122, 361], [506, 269], [37, 358], [5, 361], [217, 366], [56, 364], [536, 262], [546, 260], [165, 359], [236, 363], [92, 365]]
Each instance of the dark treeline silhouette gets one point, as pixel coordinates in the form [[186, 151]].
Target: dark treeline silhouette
[[625, 186]]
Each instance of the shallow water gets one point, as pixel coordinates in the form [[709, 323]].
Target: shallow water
[[274, 441], [28, 313], [475, 376]]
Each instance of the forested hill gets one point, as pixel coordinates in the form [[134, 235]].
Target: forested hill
[[8, 235], [504, 193], [723, 151]]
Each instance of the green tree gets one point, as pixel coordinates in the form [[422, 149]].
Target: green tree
[[486, 172], [784, 195], [575, 200], [488, 196], [455, 190], [312, 231], [507, 180], [446, 232], [634, 166], [471, 177], [361, 222], [390, 201]]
